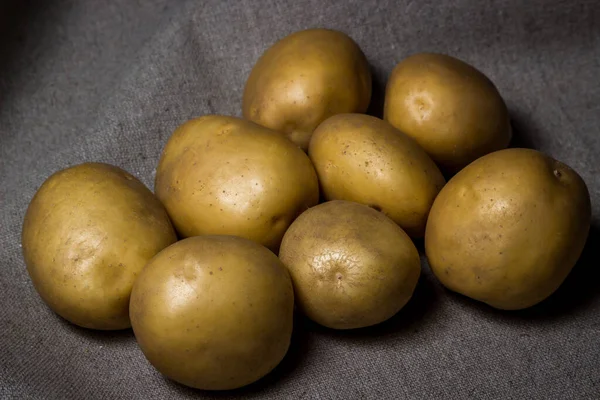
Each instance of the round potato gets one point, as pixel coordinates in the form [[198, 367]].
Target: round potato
[[224, 175], [213, 312], [449, 107], [351, 266], [88, 232], [364, 159], [305, 78], [508, 228]]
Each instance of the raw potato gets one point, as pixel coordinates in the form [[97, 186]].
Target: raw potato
[[453, 110], [305, 78], [364, 159], [88, 232], [224, 175], [213, 312], [351, 266], [508, 229]]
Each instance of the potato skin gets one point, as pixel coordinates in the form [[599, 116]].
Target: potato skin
[[222, 175], [449, 107], [364, 159], [303, 79], [508, 228], [351, 266], [87, 233], [213, 312]]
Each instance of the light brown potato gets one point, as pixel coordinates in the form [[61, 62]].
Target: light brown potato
[[351, 266], [88, 232], [449, 107], [213, 312], [364, 159], [305, 78], [508, 228], [224, 175]]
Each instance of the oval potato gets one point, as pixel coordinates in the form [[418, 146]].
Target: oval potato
[[213, 312], [87, 233], [364, 159], [351, 266], [303, 79], [449, 107], [508, 228], [222, 175]]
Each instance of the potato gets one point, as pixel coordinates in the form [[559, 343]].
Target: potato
[[508, 228], [449, 107], [88, 232], [305, 78], [351, 266], [364, 159], [224, 175], [213, 312]]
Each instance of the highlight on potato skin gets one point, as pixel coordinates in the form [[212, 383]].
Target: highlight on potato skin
[[365, 159], [228, 176], [351, 266], [449, 107], [213, 312], [508, 228], [305, 78], [87, 233]]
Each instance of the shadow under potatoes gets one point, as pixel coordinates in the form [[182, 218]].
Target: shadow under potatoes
[[524, 130], [378, 79]]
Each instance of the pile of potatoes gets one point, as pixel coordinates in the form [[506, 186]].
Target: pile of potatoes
[[309, 204]]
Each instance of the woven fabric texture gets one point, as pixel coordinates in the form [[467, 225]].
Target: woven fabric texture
[[110, 80]]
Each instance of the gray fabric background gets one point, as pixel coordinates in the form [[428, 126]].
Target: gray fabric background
[[110, 80]]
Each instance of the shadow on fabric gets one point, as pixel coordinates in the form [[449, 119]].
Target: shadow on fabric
[[379, 79], [15, 21], [524, 132]]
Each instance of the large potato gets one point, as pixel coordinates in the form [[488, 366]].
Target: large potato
[[225, 175], [452, 109], [364, 159], [88, 232], [351, 266], [305, 78], [508, 228], [213, 312]]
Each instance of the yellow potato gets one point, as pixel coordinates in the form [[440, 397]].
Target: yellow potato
[[213, 312], [303, 79], [88, 232], [351, 266], [449, 107], [225, 175], [508, 228], [364, 159]]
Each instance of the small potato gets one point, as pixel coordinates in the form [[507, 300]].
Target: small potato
[[449, 107], [213, 312], [88, 232], [222, 175], [508, 228], [305, 78], [364, 159], [351, 266]]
